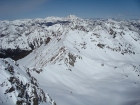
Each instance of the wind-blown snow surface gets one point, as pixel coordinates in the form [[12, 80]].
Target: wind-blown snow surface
[[85, 62]]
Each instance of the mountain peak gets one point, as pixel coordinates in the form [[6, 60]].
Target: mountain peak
[[53, 18], [73, 17]]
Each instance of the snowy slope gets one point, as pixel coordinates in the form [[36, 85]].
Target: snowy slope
[[90, 64], [80, 61], [106, 43], [18, 86]]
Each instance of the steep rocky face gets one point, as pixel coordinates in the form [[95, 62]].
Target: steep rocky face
[[18, 86], [15, 54]]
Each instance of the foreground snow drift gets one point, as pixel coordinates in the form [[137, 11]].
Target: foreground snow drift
[[92, 82]]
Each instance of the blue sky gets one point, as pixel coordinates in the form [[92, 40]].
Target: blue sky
[[21, 9]]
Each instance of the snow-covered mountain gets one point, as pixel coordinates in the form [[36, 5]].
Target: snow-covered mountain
[[78, 61], [19, 87]]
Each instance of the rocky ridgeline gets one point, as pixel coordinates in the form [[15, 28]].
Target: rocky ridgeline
[[18, 38], [20, 86]]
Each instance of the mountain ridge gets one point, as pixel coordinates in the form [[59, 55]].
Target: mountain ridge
[[78, 61]]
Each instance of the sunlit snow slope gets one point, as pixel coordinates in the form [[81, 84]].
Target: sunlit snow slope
[[86, 62]]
